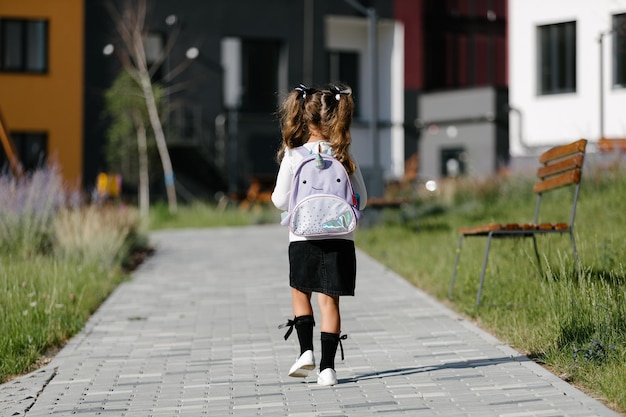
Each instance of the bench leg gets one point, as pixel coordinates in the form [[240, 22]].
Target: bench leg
[[537, 255], [482, 275], [571, 236], [456, 264]]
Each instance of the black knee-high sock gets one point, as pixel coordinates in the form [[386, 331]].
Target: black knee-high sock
[[304, 327], [330, 341]]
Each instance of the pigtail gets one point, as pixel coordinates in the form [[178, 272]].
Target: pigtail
[[328, 111], [292, 125], [338, 111]]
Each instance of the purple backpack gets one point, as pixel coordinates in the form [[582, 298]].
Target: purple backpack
[[322, 201]]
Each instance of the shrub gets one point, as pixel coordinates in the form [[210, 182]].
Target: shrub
[[28, 206], [58, 261], [92, 234]]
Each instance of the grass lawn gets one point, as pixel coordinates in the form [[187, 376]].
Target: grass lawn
[[573, 323]]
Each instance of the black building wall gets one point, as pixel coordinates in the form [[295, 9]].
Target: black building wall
[[203, 25]]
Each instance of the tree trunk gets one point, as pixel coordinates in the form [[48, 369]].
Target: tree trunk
[[144, 179], [159, 136]]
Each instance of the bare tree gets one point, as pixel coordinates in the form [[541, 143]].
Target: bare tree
[[130, 26], [142, 147], [126, 109]]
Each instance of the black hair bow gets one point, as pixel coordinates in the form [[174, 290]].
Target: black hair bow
[[304, 90], [339, 92]]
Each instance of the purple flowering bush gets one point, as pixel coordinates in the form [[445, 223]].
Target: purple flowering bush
[[59, 259], [28, 206]]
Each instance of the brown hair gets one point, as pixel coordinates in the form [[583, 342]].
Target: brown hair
[[328, 111]]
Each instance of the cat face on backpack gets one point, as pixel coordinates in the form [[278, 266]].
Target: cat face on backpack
[[312, 180]]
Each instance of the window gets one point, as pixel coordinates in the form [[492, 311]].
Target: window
[[31, 148], [252, 70], [24, 45], [557, 58], [464, 44], [259, 71], [185, 122], [452, 162], [619, 50], [344, 67]]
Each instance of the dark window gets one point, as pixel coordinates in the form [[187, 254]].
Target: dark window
[[23, 45], [619, 50], [557, 58], [31, 149], [452, 162], [259, 73], [465, 43], [344, 67]]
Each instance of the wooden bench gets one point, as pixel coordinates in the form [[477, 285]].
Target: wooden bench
[[561, 166], [381, 202], [612, 145]]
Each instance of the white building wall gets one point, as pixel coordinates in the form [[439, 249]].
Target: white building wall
[[548, 120], [350, 34]]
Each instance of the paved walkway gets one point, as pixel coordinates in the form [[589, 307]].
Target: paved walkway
[[194, 333]]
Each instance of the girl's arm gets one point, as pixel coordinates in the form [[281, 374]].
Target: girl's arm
[[282, 190], [359, 186]]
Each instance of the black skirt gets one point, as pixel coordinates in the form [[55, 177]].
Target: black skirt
[[325, 266]]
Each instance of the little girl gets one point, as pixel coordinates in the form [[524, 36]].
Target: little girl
[[318, 120]]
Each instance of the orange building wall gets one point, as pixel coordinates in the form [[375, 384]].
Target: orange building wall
[[51, 102]]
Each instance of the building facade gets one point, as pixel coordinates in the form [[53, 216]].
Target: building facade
[[222, 126], [432, 78], [567, 72], [42, 82], [459, 86]]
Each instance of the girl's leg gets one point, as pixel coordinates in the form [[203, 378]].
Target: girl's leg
[[331, 329], [304, 322], [331, 317], [303, 318], [301, 303]]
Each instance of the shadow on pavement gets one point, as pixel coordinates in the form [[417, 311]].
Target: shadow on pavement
[[430, 368]]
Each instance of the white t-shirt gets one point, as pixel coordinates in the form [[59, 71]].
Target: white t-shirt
[[282, 191]]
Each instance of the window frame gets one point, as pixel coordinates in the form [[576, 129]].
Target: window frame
[[559, 76], [618, 52], [25, 50], [21, 140]]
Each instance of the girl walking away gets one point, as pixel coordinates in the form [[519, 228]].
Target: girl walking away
[[317, 121]]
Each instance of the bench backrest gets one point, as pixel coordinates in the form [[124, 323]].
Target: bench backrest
[[561, 166]]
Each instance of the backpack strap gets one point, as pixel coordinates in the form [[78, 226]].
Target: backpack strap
[[303, 151]]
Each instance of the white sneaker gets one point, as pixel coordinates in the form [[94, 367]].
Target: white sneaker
[[327, 377], [304, 364]]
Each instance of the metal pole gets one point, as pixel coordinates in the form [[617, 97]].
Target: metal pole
[[601, 47], [373, 46], [307, 40], [601, 77], [233, 131]]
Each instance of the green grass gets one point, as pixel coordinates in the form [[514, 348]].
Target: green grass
[[59, 259], [202, 214], [43, 302], [46, 296], [556, 317]]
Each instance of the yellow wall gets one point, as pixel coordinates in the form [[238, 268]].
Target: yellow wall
[[51, 102]]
